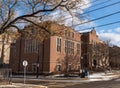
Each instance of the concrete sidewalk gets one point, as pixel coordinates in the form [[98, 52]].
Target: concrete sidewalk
[[104, 76], [50, 79], [21, 85], [92, 77]]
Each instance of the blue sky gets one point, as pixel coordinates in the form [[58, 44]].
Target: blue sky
[[107, 33], [111, 32]]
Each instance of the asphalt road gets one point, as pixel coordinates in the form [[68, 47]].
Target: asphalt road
[[100, 84]]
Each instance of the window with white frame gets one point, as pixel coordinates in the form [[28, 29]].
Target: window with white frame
[[78, 48], [72, 47], [58, 44], [31, 45], [66, 46], [72, 34], [69, 47]]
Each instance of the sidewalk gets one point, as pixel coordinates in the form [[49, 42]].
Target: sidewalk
[[92, 77], [21, 85], [50, 79], [104, 76]]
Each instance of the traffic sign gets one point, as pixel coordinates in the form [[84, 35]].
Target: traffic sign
[[25, 63]]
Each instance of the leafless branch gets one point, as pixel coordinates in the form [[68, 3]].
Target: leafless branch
[[36, 25]]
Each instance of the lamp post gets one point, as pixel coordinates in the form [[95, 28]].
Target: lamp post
[[20, 53], [82, 74], [82, 64], [37, 72]]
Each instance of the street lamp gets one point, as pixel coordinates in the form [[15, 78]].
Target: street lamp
[[82, 74], [82, 64], [37, 72]]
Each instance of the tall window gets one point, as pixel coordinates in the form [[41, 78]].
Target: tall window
[[66, 33], [69, 34], [78, 48], [72, 47], [66, 46], [69, 47], [31, 45], [58, 44], [72, 34]]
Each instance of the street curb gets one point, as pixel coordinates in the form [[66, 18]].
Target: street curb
[[28, 85]]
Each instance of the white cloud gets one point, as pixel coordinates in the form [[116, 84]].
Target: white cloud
[[110, 30], [17, 13], [85, 4], [102, 31], [69, 18], [110, 36], [117, 29]]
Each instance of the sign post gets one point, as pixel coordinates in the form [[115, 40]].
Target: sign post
[[25, 63]]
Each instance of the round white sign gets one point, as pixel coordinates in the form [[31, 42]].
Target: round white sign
[[25, 63]]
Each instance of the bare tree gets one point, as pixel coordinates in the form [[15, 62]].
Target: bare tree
[[16, 13], [70, 64], [99, 54], [114, 53]]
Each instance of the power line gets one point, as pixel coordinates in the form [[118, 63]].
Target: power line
[[89, 3], [102, 7], [101, 25], [95, 9], [81, 6], [96, 4], [97, 18], [100, 3]]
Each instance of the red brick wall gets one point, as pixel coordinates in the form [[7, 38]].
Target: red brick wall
[[48, 55]]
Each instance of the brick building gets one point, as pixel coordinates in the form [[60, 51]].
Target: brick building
[[95, 53], [61, 50], [56, 53]]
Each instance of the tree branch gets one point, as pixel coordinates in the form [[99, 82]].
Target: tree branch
[[37, 25], [30, 15]]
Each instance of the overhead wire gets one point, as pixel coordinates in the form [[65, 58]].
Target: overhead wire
[[102, 7], [100, 3], [100, 25], [81, 6], [94, 10], [97, 18], [89, 3]]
